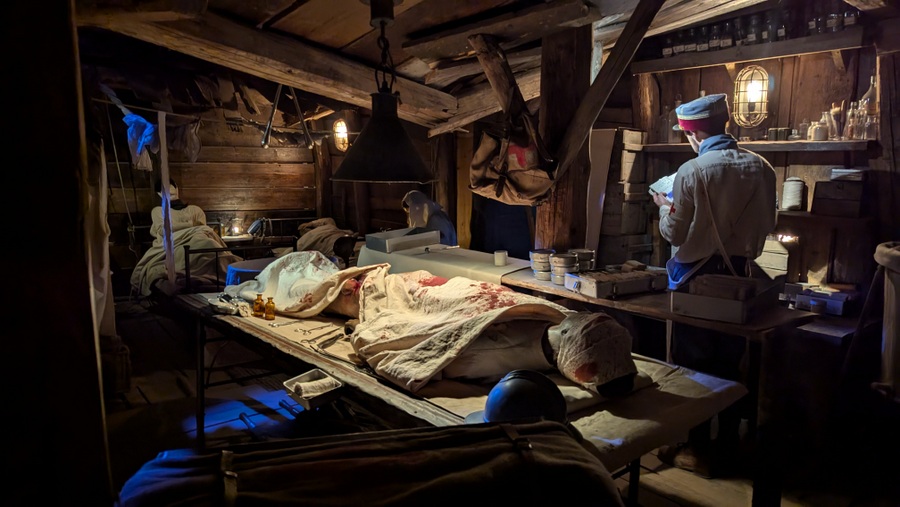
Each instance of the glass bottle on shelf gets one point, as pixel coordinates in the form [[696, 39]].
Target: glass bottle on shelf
[[850, 121], [270, 309], [768, 29], [851, 18], [754, 31], [703, 39], [781, 23], [665, 126], [803, 129], [834, 22], [727, 38], [690, 42], [740, 34], [825, 121], [259, 306], [871, 130], [714, 37], [674, 136], [678, 44], [870, 98], [814, 23], [667, 46]]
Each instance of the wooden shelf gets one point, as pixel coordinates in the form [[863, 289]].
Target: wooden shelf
[[764, 146], [850, 38], [824, 219]]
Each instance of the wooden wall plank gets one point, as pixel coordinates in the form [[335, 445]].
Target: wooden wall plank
[[246, 175], [217, 199], [245, 153]]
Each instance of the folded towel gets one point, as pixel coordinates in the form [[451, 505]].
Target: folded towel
[[314, 388]]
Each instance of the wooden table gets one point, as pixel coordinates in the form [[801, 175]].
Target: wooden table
[[768, 329]]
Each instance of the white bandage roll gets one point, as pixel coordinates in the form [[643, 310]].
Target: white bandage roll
[[500, 257]]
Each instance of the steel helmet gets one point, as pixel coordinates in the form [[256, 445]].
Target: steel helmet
[[522, 394]]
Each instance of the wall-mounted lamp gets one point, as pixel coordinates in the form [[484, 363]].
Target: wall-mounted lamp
[[751, 96], [383, 151], [341, 134]]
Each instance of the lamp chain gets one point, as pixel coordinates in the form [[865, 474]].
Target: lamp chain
[[387, 64]]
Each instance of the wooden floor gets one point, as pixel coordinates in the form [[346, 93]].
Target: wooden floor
[[157, 413]]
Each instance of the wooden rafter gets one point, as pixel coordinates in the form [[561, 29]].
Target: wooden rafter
[[281, 60], [510, 29]]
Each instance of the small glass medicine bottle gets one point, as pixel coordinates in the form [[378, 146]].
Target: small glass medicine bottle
[[703, 39], [715, 38], [727, 38], [667, 46], [270, 309], [259, 306], [753, 33], [690, 41]]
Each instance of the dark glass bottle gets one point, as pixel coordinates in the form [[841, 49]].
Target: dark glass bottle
[[782, 20], [703, 39], [690, 42], [678, 44], [259, 306], [851, 18], [667, 46], [767, 31], [270, 309], [715, 37], [739, 34], [754, 31], [815, 24], [727, 39]]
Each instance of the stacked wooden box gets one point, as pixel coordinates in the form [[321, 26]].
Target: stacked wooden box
[[624, 230], [838, 198]]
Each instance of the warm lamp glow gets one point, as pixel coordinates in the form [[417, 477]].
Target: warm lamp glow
[[754, 91], [751, 96], [341, 135]]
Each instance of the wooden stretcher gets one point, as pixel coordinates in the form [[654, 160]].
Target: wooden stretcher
[[619, 431]]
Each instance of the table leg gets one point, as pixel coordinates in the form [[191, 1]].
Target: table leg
[[200, 409], [770, 442]]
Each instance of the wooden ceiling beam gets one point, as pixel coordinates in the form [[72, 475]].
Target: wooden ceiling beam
[[874, 5], [511, 29], [480, 101], [675, 15], [147, 11], [281, 60]]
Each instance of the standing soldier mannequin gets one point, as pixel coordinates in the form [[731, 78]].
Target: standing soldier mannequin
[[723, 207]]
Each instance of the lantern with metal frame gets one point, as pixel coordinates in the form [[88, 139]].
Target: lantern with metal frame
[[751, 96], [383, 151]]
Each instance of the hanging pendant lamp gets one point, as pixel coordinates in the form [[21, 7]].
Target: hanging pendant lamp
[[383, 151]]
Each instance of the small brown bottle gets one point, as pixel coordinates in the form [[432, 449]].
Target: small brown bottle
[[270, 309], [259, 306]]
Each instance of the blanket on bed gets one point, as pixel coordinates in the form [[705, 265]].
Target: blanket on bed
[[205, 268], [413, 325], [304, 284]]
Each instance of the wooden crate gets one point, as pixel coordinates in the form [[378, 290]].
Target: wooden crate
[[618, 249]]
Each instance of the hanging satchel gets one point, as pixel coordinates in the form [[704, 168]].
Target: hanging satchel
[[512, 165]]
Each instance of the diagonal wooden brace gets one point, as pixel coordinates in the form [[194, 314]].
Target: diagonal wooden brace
[[595, 98]]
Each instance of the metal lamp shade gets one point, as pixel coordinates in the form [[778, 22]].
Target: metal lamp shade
[[383, 152]]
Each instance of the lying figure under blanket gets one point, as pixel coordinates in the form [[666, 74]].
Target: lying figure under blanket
[[188, 229], [413, 328]]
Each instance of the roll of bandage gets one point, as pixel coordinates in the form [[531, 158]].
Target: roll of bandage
[[792, 198]]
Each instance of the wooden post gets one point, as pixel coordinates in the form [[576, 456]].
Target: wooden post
[[619, 59], [561, 222], [444, 148]]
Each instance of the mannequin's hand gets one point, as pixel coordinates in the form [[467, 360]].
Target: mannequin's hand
[[661, 200]]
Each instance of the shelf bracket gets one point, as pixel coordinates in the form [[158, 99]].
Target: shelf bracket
[[840, 59], [733, 69]]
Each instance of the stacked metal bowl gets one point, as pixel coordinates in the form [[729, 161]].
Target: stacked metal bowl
[[540, 263]]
